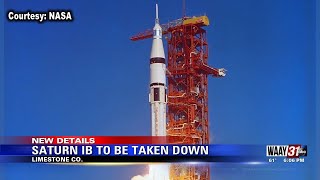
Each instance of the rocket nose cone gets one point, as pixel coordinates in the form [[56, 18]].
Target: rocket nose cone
[[157, 49]]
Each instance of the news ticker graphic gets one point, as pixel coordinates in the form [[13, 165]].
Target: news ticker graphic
[[121, 149]]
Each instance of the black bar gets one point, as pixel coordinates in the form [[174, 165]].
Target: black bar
[[157, 60], [156, 84]]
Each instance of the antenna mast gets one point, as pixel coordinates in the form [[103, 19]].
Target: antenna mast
[[184, 9], [157, 13]]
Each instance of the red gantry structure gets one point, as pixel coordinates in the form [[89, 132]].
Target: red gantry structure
[[187, 76]]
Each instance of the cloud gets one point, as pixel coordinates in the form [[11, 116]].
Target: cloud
[[139, 177]]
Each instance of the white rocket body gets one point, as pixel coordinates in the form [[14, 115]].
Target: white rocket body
[[158, 96]]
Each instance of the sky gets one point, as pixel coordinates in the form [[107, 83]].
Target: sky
[[87, 78]]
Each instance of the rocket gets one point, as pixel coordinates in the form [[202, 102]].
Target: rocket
[[158, 96]]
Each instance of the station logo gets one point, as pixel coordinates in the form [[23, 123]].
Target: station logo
[[289, 151]]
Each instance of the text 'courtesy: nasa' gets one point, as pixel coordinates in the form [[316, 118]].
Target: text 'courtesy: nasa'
[[40, 17]]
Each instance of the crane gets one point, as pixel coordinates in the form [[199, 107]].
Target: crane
[[201, 20]]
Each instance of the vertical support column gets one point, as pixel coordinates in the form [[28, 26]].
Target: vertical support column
[[187, 96]]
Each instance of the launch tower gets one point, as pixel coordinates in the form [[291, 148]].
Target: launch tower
[[187, 76]]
